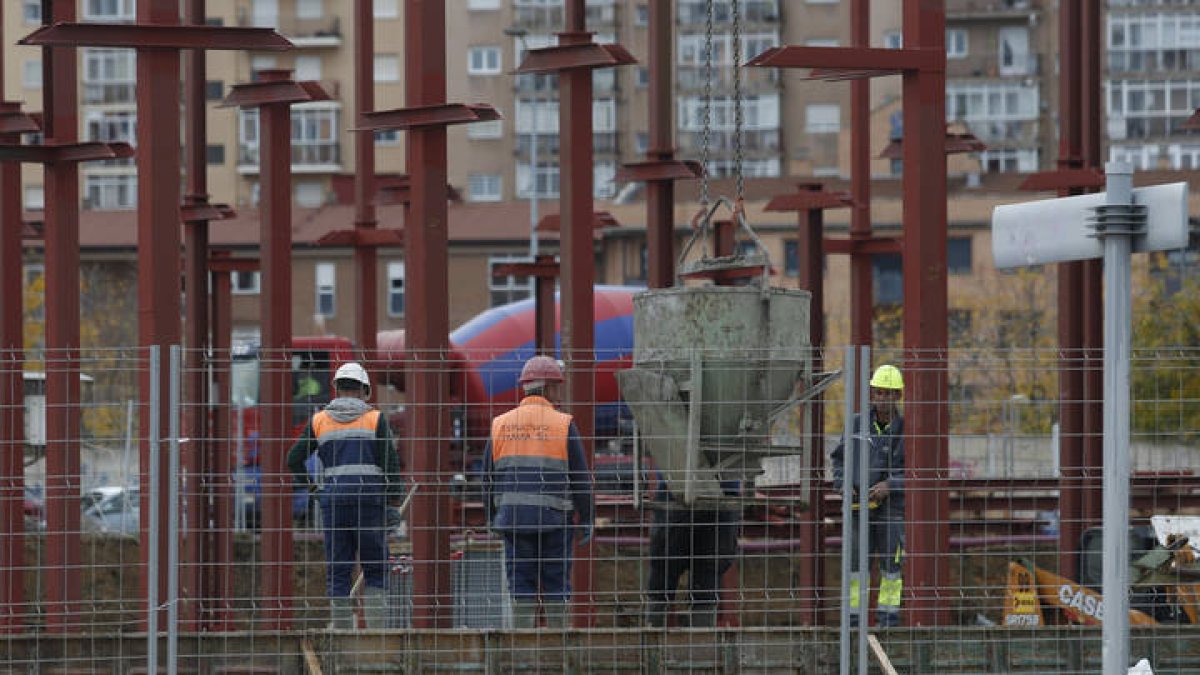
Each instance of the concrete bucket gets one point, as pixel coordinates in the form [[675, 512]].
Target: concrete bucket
[[714, 369]]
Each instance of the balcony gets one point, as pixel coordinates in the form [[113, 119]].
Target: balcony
[[307, 157], [1023, 65], [109, 93], [759, 141], [962, 10], [603, 143], [1004, 133], [538, 16], [695, 12], [754, 80], [322, 33]]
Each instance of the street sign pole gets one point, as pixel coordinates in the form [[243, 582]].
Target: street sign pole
[[1116, 223]]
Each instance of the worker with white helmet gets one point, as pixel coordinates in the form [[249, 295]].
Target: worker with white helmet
[[361, 472], [538, 493], [885, 493]]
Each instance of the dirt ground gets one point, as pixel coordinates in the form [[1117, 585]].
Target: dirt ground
[[767, 595]]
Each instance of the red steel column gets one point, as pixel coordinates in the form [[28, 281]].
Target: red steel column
[[1092, 272], [159, 241], [197, 560], [579, 270], [365, 257], [275, 246], [61, 124], [811, 257], [925, 296], [12, 402], [660, 194], [861, 300], [1070, 316], [426, 249], [219, 583]]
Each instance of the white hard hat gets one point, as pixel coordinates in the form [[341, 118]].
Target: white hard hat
[[354, 372]]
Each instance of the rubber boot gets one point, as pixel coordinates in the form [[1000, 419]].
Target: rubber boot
[[524, 613], [341, 612], [558, 615], [375, 608]]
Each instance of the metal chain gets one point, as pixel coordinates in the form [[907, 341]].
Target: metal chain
[[706, 132], [737, 100]]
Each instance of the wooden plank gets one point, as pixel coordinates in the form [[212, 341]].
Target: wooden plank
[[877, 649]]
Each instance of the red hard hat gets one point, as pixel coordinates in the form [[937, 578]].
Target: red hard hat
[[541, 368]]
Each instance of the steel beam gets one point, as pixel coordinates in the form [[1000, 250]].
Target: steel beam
[[544, 270], [427, 248], [221, 468], [365, 257], [12, 360], [164, 34], [577, 247], [62, 555], [876, 60], [660, 194], [862, 303], [927, 526]]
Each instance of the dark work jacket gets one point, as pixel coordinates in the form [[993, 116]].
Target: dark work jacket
[[886, 463]]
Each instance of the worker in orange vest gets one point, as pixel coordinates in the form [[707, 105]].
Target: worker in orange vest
[[538, 494]]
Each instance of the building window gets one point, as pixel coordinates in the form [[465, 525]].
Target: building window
[[1014, 51], [308, 194], [110, 191], [893, 39], [759, 112], [641, 142], [491, 129], [791, 258], [215, 154], [109, 10], [264, 13], [387, 137], [314, 136], [484, 187], [995, 111], [958, 255], [956, 43], [483, 4], [1009, 160], [326, 289], [822, 118], [509, 288], [35, 198], [309, 9], [261, 62], [245, 283], [693, 48], [31, 74], [822, 42], [643, 77], [32, 11], [395, 288], [483, 61], [603, 185], [214, 90], [387, 68], [387, 9], [308, 68], [642, 15], [543, 182], [109, 75], [888, 278]]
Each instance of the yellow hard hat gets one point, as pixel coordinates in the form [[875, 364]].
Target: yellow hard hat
[[888, 377]]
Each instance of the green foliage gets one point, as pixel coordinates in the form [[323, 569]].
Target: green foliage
[[1165, 372]]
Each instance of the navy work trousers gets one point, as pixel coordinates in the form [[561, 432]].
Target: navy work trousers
[[539, 560], [354, 532]]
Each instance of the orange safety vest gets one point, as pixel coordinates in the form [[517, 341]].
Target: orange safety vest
[[529, 456]]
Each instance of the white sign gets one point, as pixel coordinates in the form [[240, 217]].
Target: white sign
[[1057, 230]]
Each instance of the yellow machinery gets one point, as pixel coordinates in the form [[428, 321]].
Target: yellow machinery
[[1165, 584]]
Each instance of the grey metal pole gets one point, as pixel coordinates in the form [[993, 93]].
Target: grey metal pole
[[173, 517], [847, 532], [864, 504], [152, 561], [1115, 223]]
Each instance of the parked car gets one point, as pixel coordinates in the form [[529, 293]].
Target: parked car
[[111, 510]]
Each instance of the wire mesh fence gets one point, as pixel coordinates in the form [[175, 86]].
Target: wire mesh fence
[[308, 532]]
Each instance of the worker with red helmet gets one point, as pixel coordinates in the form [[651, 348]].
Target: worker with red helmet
[[360, 473], [538, 494]]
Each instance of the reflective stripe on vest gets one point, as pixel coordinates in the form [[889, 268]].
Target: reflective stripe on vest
[[528, 499], [533, 429], [353, 470], [323, 424]]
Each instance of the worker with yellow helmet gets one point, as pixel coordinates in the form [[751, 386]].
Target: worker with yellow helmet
[[885, 493]]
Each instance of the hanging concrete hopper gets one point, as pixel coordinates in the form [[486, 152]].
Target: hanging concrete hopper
[[714, 368]]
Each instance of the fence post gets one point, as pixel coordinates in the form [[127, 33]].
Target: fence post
[[851, 380], [173, 516], [152, 559]]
